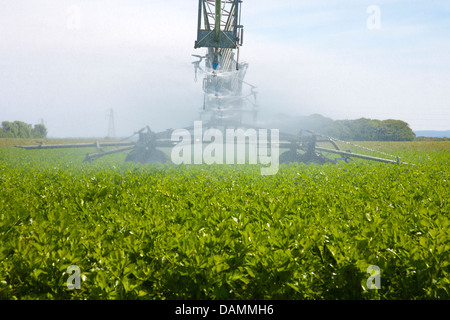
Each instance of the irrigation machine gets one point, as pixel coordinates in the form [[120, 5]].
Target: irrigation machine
[[229, 101]]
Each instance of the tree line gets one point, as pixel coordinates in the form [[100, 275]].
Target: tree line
[[351, 130], [20, 129]]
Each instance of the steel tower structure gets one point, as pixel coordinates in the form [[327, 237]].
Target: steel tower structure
[[219, 31]]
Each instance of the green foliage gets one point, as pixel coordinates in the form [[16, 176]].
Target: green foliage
[[395, 130], [222, 232], [20, 129], [354, 130], [371, 130], [421, 138], [39, 131]]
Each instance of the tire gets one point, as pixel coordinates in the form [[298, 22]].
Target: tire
[[144, 155]]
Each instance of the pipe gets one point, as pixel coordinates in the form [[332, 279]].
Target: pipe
[[345, 153], [78, 145]]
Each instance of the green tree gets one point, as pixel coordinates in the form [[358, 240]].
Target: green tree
[[23, 129], [20, 129], [39, 131], [10, 129], [362, 129], [395, 130], [371, 130]]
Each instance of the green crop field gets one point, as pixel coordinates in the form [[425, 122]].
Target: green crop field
[[224, 231]]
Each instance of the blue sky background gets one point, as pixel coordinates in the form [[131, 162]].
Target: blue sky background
[[304, 56]]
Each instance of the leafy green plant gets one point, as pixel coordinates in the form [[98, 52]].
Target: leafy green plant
[[222, 232]]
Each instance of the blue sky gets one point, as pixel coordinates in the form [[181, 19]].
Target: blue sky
[[304, 56]]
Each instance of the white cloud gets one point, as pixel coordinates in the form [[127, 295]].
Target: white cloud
[[347, 71], [132, 57]]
